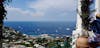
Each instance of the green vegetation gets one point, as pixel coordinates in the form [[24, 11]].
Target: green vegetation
[[3, 13], [11, 36], [85, 8]]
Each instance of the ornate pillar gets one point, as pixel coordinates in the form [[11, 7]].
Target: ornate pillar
[[76, 33], [82, 27], [97, 6]]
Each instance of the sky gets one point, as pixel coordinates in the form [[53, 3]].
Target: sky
[[41, 10]]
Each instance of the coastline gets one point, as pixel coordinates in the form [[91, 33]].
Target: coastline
[[13, 38]]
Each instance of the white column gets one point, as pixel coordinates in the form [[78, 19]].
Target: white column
[[97, 6], [76, 33], [79, 20], [79, 29]]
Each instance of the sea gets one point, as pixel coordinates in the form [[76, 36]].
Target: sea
[[38, 28]]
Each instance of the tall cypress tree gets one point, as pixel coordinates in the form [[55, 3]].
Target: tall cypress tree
[[2, 15]]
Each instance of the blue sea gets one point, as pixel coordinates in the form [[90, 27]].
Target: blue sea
[[38, 28]]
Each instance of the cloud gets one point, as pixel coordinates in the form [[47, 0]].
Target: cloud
[[56, 8], [22, 12], [19, 14], [46, 5], [43, 10]]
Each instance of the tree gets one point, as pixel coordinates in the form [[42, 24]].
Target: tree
[[3, 13], [85, 8]]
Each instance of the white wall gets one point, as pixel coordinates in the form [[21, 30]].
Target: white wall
[[97, 6]]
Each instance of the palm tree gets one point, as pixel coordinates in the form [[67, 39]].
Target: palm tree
[[2, 15]]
